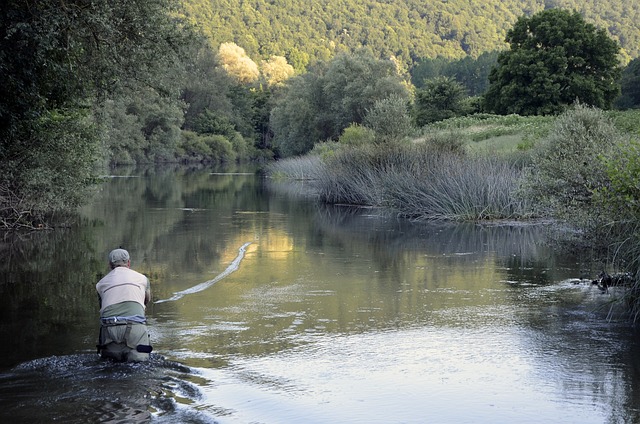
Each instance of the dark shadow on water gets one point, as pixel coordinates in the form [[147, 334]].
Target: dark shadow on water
[[83, 388]]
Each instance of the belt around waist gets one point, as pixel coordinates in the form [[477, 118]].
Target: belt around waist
[[122, 321]]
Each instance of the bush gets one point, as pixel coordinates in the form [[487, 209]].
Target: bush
[[619, 204], [440, 99], [54, 177], [389, 118], [192, 147], [452, 141], [357, 135], [242, 148], [221, 148], [565, 168], [622, 194], [205, 148]]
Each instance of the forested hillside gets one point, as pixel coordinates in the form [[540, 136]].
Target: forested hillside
[[306, 30]]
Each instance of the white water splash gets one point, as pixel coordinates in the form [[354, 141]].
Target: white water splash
[[203, 286]]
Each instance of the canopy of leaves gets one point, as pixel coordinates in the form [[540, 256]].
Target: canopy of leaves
[[555, 58], [236, 62], [472, 73], [320, 104], [566, 168], [58, 59], [311, 30], [441, 98]]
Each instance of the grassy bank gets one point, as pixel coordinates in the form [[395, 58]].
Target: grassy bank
[[461, 169]]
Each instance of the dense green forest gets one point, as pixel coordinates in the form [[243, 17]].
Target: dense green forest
[[411, 30]]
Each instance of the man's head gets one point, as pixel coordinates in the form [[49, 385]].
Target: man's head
[[119, 257]]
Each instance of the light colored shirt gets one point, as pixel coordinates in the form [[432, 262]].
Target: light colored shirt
[[120, 285]]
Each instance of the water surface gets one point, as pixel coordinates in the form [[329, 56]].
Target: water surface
[[271, 308]]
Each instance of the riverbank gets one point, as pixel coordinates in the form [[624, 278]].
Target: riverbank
[[577, 168]]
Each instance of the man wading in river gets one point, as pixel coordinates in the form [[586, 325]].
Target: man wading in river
[[123, 294]]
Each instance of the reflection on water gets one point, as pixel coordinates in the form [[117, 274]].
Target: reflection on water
[[332, 314]]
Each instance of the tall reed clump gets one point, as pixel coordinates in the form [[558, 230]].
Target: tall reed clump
[[299, 168], [423, 181], [354, 175], [442, 185]]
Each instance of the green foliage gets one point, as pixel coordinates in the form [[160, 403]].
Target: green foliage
[[566, 170], [140, 126], [471, 72], [210, 123], [205, 148], [441, 98], [555, 58], [452, 141], [357, 135], [627, 121], [311, 31], [221, 148], [242, 149], [389, 119], [293, 120], [621, 197], [54, 177], [483, 126], [630, 86], [276, 70], [235, 61], [319, 105], [58, 59], [218, 104], [352, 85], [207, 86]]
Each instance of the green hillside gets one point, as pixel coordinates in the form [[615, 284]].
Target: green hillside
[[307, 30]]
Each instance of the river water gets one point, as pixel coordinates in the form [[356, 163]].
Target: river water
[[271, 308]]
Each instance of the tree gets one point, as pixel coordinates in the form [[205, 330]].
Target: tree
[[566, 167], [293, 120], [472, 73], [389, 119], [276, 70], [320, 104], [555, 58], [630, 86], [236, 62], [58, 59], [441, 98]]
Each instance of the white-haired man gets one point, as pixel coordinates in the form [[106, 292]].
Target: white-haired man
[[123, 294]]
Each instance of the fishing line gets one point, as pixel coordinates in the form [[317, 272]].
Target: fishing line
[[203, 286]]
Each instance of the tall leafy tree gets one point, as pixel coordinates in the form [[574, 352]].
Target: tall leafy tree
[[319, 105], [58, 59], [441, 98], [555, 59], [236, 62]]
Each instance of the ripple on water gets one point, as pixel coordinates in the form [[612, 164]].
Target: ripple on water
[[83, 388]]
